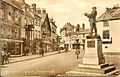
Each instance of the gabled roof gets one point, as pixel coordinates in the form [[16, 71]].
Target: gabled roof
[[44, 17], [53, 23], [67, 26], [12, 3], [19, 5], [110, 14], [28, 12]]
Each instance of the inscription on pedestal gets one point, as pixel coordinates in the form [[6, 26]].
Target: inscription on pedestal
[[91, 44]]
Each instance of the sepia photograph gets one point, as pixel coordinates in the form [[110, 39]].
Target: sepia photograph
[[59, 38]]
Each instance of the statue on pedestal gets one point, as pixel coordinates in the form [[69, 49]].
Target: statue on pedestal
[[92, 20]]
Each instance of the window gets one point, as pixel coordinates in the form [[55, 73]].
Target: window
[[1, 13], [83, 41], [9, 16], [36, 21], [106, 34], [39, 34], [105, 23], [36, 33], [25, 21]]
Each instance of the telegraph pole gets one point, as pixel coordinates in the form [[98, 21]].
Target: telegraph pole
[[0, 34]]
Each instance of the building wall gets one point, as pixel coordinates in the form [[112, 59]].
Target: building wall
[[114, 34], [37, 28], [11, 29], [23, 24]]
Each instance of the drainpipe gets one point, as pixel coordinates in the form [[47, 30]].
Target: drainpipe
[[0, 36]]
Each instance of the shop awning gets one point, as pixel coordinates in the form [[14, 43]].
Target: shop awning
[[11, 40]]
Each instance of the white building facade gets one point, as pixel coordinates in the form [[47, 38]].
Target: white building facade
[[108, 26], [75, 33]]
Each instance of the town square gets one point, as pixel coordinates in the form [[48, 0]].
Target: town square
[[59, 38]]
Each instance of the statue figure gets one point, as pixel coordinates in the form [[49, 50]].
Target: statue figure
[[92, 20]]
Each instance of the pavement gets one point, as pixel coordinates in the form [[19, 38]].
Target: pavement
[[30, 57]]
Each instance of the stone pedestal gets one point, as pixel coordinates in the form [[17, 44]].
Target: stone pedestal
[[93, 61], [93, 52]]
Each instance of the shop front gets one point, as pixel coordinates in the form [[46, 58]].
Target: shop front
[[14, 47], [37, 45]]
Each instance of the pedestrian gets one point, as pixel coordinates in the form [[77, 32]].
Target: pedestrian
[[3, 57], [66, 49], [6, 57], [41, 46], [42, 52], [26, 50]]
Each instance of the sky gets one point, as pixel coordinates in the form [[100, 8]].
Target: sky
[[63, 11]]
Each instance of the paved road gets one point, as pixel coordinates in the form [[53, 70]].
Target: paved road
[[50, 65]]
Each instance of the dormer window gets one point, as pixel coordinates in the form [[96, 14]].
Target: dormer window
[[105, 23]]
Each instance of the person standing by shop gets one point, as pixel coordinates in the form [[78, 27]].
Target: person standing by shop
[[41, 49], [3, 56], [27, 50]]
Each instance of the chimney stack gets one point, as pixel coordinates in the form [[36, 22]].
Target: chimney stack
[[83, 26], [51, 19], [38, 10], [34, 7], [43, 10], [21, 1]]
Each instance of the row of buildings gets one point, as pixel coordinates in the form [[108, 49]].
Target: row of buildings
[[26, 25], [108, 26], [73, 36]]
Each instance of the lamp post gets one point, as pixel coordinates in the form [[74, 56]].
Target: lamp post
[[0, 33]]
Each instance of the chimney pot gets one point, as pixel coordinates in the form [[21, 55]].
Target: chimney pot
[[43, 10], [38, 10], [83, 26], [34, 7]]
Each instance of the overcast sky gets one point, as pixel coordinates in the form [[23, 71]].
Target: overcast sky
[[63, 11]]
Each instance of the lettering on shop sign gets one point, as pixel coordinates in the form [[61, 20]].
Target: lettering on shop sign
[[90, 44]]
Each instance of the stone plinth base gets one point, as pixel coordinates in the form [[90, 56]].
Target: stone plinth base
[[92, 70], [93, 61]]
